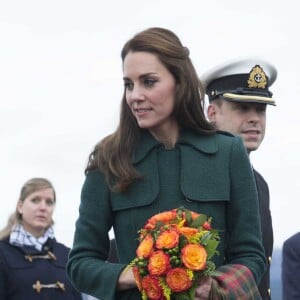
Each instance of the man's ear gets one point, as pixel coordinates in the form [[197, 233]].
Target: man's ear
[[211, 112]]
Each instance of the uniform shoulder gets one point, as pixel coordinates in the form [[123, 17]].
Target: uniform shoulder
[[259, 176], [294, 240]]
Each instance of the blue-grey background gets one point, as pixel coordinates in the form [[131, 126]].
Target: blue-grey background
[[276, 287]]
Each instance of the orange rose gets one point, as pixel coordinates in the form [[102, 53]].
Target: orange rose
[[152, 288], [167, 239], [188, 232], [178, 280], [164, 217], [159, 263], [194, 257], [145, 248]]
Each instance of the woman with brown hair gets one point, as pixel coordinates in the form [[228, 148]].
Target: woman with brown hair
[[165, 154]]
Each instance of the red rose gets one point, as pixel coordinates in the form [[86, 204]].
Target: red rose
[[153, 290], [206, 225]]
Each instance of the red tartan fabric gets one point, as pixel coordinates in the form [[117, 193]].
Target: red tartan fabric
[[234, 282]]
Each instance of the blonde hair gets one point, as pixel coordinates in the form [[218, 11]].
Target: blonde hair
[[30, 186]]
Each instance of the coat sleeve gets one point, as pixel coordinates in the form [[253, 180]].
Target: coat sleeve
[[243, 237], [87, 266]]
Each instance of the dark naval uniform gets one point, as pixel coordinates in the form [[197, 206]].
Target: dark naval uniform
[[267, 231], [291, 268], [247, 81], [28, 274]]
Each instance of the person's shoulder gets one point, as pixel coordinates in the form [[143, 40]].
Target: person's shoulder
[[62, 246], [212, 143], [61, 251], [229, 143], [224, 133], [8, 250], [225, 137], [4, 243], [294, 240], [92, 171], [58, 246], [259, 176]]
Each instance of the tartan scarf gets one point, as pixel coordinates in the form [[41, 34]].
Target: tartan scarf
[[20, 237], [234, 281]]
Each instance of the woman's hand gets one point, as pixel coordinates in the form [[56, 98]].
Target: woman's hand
[[126, 280], [202, 292]]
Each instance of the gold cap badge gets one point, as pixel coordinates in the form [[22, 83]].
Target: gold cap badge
[[257, 78]]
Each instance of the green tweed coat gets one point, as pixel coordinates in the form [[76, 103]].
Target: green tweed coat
[[208, 174]]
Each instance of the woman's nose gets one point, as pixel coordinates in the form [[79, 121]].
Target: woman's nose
[[137, 94], [43, 205]]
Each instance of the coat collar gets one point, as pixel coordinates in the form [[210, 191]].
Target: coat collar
[[203, 143]]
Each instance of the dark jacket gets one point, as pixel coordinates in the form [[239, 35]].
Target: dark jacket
[[208, 174], [21, 271], [267, 232], [291, 268]]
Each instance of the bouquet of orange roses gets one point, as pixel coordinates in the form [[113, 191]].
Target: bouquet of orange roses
[[173, 254]]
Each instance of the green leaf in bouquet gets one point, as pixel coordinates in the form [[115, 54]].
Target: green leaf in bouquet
[[199, 221], [188, 216], [187, 295], [182, 241], [211, 248], [206, 237]]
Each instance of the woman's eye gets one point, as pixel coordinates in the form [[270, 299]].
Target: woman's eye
[[34, 200], [128, 85], [149, 82], [50, 202]]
